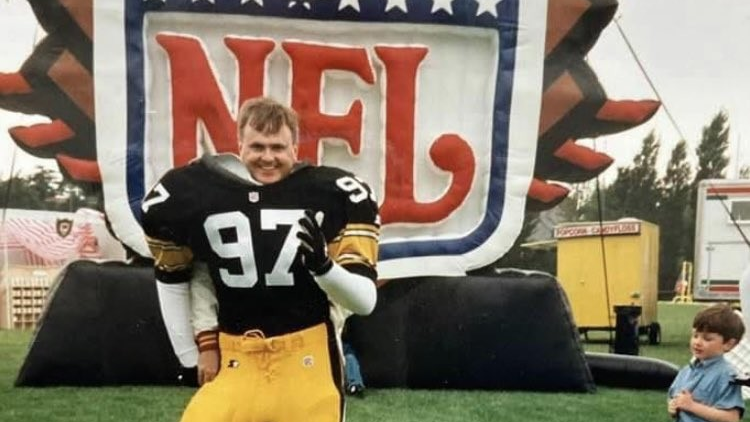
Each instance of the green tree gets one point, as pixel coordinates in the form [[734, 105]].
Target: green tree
[[594, 199], [524, 257], [712, 163], [45, 189], [537, 226], [674, 217], [635, 192], [669, 201], [28, 192], [712, 150]]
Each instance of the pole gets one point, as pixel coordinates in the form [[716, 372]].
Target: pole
[[5, 279], [737, 157]]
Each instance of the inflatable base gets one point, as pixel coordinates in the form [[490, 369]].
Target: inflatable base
[[102, 326], [509, 331], [625, 371]]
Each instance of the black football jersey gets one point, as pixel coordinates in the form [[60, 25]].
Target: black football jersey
[[246, 233]]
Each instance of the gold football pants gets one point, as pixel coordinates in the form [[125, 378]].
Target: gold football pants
[[290, 378]]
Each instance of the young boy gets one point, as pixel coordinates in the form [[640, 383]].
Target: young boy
[[703, 390]]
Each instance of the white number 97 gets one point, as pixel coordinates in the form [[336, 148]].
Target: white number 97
[[158, 195], [358, 191]]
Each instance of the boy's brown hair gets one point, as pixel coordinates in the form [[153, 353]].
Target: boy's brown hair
[[267, 116], [720, 319]]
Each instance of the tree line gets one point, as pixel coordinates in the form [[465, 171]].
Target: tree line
[[639, 191], [46, 189]]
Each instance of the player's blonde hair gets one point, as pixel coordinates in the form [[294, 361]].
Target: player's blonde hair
[[267, 116]]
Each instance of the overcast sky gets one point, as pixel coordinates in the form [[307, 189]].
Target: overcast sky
[[695, 53], [18, 31], [697, 57]]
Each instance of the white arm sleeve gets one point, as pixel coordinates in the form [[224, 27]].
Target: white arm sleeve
[[174, 302], [352, 291], [203, 304]]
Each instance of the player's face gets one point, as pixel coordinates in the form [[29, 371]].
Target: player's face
[[706, 345], [269, 158]]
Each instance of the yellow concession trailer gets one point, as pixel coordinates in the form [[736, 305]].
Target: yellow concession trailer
[[628, 250]]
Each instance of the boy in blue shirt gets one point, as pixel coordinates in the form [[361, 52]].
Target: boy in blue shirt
[[705, 390]]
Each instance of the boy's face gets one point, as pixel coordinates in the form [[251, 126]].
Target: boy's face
[[706, 345]]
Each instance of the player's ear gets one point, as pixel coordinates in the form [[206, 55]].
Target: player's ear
[[295, 149]]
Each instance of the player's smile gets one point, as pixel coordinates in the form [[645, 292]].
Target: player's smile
[[266, 173], [268, 157]]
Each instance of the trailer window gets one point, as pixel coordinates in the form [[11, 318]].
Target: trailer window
[[741, 211]]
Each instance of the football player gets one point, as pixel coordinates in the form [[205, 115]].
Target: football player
[[286, 245]]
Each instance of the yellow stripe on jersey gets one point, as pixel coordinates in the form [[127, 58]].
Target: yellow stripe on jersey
[[168, 256], [356, 244]]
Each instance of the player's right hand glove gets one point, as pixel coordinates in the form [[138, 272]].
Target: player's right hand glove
[[313, 245]]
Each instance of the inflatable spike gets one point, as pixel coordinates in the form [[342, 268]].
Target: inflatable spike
[[628, 111], [543, 195], [583, 157], [41, 134], [80, 169], [13, 84]]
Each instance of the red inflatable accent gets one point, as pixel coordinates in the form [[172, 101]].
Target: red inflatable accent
[[79, 169], [547, 193], [41, 134], [583, 157], [73, 79], [558, 100], [566, 15], [13, 84], [82, 13]]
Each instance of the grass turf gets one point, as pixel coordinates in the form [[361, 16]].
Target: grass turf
[[156, 404]]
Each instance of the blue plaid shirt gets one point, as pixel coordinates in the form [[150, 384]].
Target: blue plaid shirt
[[710, 383]]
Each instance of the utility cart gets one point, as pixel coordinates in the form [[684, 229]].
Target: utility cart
[[610, 267]]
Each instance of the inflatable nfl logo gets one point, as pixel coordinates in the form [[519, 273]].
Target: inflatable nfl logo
[[434, 103]]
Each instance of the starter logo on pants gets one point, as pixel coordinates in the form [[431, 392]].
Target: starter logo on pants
[[308, 361]]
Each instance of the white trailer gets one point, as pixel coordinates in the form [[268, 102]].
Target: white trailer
[[721, 252]]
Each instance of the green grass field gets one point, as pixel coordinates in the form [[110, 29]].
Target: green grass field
[[166, 403]]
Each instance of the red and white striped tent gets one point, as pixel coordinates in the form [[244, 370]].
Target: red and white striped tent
[[51, 238]]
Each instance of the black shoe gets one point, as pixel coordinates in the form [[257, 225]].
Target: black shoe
[[357, 390]]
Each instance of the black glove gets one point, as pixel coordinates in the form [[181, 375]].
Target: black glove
[[313, 245], [188, 376]]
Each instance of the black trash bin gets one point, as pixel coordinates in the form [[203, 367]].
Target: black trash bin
[[626, 329]]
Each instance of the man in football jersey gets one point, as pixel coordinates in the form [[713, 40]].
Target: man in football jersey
[[286, 245]]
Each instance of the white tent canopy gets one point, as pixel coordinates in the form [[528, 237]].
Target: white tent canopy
[[52, 238]]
